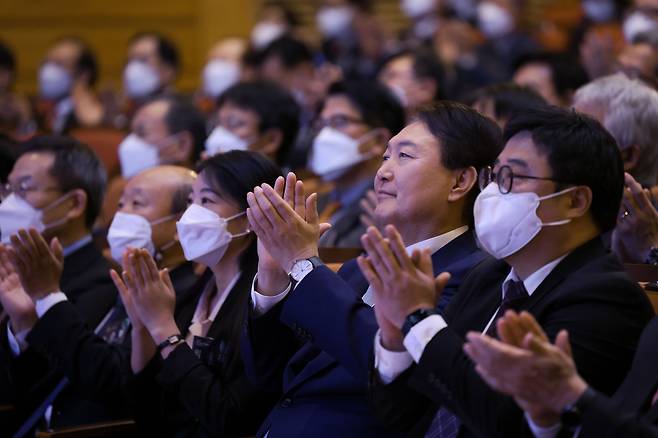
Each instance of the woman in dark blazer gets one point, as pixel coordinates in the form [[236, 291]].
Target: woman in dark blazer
[[189, 378]]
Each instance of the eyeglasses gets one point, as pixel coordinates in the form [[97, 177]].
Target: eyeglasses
[[21, 189], [338, 121], [504, 178]]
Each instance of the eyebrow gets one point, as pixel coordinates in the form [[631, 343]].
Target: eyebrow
[[403, 143], [208, 189], [518, 162]]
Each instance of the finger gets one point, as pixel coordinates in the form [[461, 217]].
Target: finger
[[254, 225], [563, 343], [134, 272], [324, 227], [152, 268], [398, 249], [441, 281], [425, 263], [118, 282], [143, 270], [40, 246], [530, 324], [129, 281], [166, 279], [510, 329], [21, 248], [57, 250], [268, 210], [373, 255], [19, 257], [289, 192], [257, 212], [300, 200], [534, 344], [312, 209], [369, 272], [282, 208], [279, 185], [383, 248], [366, 220]]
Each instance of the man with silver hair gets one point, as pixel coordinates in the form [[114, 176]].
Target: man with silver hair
[[628, 109]]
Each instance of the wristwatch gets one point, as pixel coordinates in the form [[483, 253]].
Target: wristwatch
[[302, 267], [415, 317], [171, 340]]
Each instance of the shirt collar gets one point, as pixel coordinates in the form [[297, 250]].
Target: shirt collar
[[433, 244], [217, 301], [77, 245], [536, 278]]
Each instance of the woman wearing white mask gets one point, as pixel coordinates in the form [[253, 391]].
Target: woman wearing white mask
[[357, 120], [190, 363]]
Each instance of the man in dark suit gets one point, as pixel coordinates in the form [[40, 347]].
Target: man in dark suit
[[314, 339], [555, 188], [96, 365], [544, 381]]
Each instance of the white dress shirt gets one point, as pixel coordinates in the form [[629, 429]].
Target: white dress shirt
[[391, 364]]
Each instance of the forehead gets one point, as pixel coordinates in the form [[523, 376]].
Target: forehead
[[64, 51], [418, 134], [142, 47], [400, 63], [339, 104], [152, 113], [33, 166], [228, 109], [522, 149]]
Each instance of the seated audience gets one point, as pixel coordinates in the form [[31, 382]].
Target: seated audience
[[501, 102], [640, 57], [260, 116], [66, 79], [56, 188], [313, 338], [356, 121], [555, 188], [15, 112], [275, 19], [543, 379]]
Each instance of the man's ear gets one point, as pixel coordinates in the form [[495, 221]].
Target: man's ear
[[580, 202], [630, 156], [270, 141], [465, 180], [78, 206], [377, 144]]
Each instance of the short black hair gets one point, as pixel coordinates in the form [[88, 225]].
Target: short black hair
[[179, 200], [289, 15], [379, 108], [291, 51], [87, 61], [8, 150], [426, 65], [466, 138], [275, 107], [75, 166], [508, 98], [183, 116], [580, 152], [166, 48], [7, 58], [567, 72]]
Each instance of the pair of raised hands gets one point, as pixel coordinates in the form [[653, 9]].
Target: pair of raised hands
[[30, 269], [541, 376]]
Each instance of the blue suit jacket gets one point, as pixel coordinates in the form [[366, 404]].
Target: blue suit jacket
[[317, 345]]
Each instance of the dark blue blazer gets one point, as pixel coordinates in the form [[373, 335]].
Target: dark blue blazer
[[317, 345]]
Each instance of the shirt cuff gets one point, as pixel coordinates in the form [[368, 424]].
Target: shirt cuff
[[44, 304], [421, 334], [543, 432], [17, 343], [390, 364], [263, 303]]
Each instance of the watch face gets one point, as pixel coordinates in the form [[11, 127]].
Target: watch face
[[300, 268]]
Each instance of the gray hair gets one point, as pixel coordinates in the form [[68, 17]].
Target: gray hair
[[630, 111]]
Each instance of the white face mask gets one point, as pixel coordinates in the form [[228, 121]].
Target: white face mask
[[140, 79], [16, 213], [136, 155], [400, 94], [204, 235], [333, 21], [219, 75], [132, 231], [494, 20], [265, 32], [54, 81], [417, 8], [223, 140], [504, 224], [599, 10], [637, 23], [334, 153]]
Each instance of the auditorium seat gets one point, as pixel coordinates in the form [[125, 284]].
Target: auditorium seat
[[125, 428]]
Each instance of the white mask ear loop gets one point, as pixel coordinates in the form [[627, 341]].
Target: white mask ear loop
[[244, 233], [55, 203], [158, 253], [554, 195]]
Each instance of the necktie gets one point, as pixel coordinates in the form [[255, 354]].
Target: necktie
[[445, 423]]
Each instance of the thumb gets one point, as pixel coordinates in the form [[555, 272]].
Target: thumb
[[324, 227], [562, 342], [57, 249], [440, 283], [166, 279]]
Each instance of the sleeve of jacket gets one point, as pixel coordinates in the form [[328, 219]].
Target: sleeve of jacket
[[328, 311], [96, 367], [266, 346]]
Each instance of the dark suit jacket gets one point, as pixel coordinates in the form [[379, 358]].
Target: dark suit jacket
[[588, 293], [183, 396], [97, 370], [34, 373], [629, 413], [347, 228], [325, 381]]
